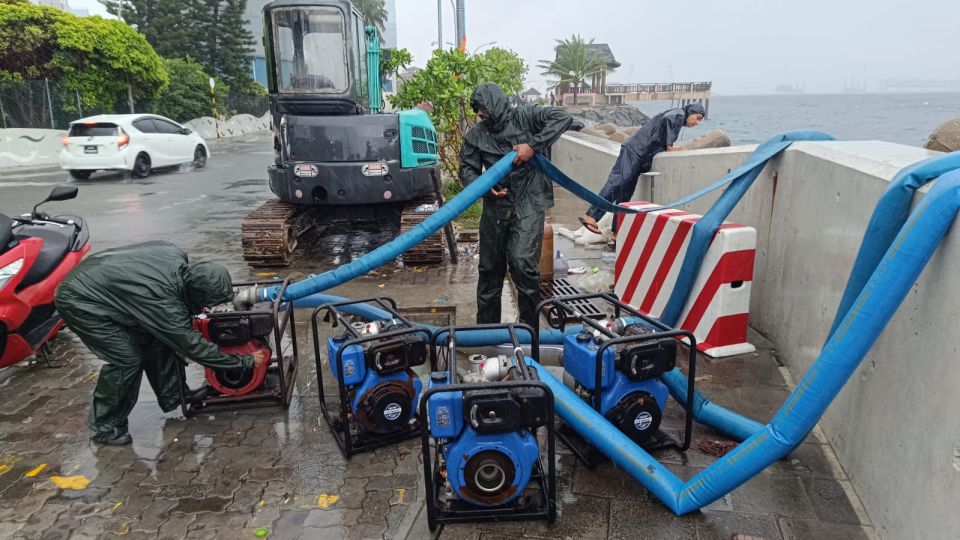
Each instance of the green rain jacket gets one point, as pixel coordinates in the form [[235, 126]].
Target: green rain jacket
[[488, 141], [151, 287]]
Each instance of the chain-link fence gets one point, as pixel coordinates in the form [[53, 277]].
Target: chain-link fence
[[45, 103], [49, 104]]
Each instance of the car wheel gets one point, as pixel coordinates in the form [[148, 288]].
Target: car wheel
[[141, 166], [81, 175], [200, 157]]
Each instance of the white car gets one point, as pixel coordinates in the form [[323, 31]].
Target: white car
[[132, 142]]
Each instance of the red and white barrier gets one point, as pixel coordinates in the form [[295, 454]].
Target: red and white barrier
[[650, 251]]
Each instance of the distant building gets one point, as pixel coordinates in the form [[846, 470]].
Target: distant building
[[59, 4], [602, 52], [254, 16], [530, 96]]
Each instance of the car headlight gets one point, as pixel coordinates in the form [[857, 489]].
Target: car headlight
[[9, 271]]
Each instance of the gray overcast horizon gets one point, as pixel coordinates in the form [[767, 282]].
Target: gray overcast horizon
[[743, 46]]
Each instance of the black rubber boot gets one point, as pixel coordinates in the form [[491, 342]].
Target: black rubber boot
[[112, 438]]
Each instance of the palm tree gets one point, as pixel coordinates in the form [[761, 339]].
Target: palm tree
[[374, 13], [573, 64]]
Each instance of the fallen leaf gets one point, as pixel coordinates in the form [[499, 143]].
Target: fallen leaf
[[77, 482], [382, 285], [326, 501], [36, 471]]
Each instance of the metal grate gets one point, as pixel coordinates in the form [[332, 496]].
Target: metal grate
[[421, 147], [562, 287], [419, 133]]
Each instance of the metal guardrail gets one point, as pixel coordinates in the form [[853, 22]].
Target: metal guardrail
[[658, 88]]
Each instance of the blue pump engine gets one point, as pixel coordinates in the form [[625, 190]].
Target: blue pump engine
[[486, 438], [630, 395], [382, 388]]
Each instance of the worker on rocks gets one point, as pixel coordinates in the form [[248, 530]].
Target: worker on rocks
[[132, 307], [511, 227], [636, 156]]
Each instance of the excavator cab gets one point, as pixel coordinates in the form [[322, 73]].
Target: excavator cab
[[333, 144], [316, 57]]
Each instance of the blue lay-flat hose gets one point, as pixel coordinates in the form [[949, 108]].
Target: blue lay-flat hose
[[861, 325], [729, 422], [880, 298], [888, 218]]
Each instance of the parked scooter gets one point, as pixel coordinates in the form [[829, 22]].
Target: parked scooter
[[37, 251]]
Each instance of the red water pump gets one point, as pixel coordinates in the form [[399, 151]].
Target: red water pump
[[267, 327], [234, 382]]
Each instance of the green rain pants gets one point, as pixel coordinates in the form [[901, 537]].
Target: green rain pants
[[129, 353], [509, 241]]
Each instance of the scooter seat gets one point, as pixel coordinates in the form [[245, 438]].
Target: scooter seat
[[6, 234], [56, 244]]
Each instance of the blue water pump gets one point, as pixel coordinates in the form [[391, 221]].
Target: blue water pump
[[615, 364], [485, 463], [372, 363]]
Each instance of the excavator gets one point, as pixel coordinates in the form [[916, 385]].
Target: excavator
[[334, 146]]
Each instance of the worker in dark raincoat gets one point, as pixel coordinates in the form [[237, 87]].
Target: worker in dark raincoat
[[132, 307], [511, 227], [636, 156]]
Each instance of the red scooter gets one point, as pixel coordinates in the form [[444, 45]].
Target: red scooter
[[36, 252]]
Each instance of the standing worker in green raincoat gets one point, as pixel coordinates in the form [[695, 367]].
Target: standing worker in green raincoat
[[511, 227], [132, 307]]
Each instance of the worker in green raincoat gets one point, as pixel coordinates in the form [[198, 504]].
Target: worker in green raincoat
[[511, 227], [132, 307]]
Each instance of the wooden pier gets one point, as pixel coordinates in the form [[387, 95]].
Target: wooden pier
[[682, 93]]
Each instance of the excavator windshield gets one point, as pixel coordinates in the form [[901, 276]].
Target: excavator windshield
[[311, 51]]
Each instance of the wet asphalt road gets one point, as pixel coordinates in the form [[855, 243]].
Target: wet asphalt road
[[198, 209]]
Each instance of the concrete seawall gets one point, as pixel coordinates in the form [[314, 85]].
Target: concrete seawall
[[24, 150], [895, 425]]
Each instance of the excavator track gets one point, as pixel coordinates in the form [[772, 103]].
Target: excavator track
[[269, 234], [429, 251]]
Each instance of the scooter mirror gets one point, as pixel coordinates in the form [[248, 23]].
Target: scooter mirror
[[59, 193], [62, 193]]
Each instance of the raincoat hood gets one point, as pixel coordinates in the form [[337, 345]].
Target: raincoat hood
[[490, 96], [207, 284], [693, 108]]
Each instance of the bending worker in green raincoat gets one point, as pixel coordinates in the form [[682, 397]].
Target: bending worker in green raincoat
[[132, 307], [511, 227]]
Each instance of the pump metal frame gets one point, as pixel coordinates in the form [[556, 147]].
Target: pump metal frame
[[546, 477], [351, 444], [561, 308], [286, 370]]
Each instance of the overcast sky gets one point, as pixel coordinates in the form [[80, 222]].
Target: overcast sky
[[743, 46]]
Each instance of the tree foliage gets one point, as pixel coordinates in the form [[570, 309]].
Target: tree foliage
[[188, 94], [447, 82], [394, 61], [212, 32], [91, 56], [573, 64]]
